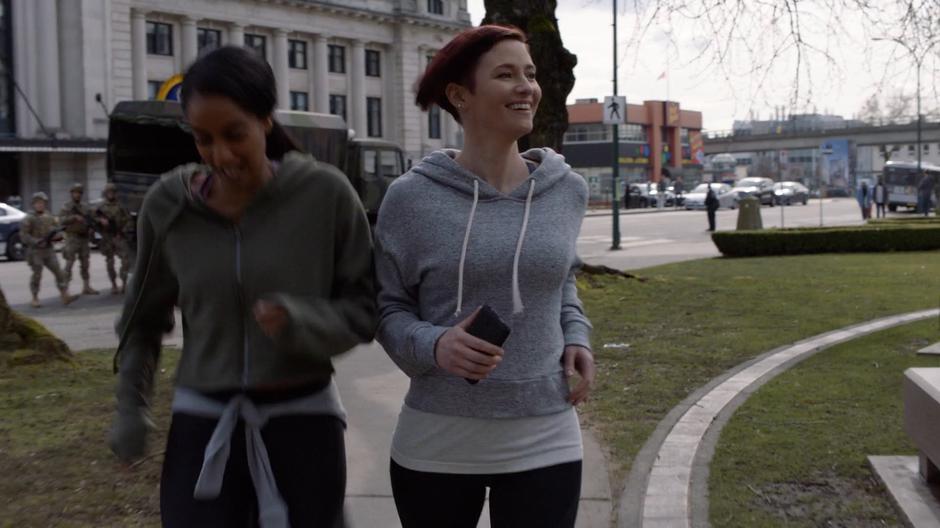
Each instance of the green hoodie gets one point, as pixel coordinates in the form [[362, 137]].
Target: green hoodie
[[303, 243]]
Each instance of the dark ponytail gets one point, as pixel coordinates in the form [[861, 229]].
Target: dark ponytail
[[246, 79]]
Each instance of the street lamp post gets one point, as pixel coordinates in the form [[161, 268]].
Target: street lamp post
[[615, 238], [918, 60]]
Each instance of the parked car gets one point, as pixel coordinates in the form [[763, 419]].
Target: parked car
[[640, 195], [761, 188], [695, 199], [790, 192], [10, 243], [679, 198]]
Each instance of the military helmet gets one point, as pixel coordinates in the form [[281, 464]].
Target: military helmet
[[77, 187], [39, 195]]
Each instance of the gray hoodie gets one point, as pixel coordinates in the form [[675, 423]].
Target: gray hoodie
[[448, 242]]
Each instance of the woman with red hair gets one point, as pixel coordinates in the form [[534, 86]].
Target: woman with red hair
[[485, 233]]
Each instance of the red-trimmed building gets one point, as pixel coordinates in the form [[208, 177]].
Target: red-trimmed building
[[658, 135]]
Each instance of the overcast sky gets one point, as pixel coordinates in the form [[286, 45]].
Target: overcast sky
[[861, 67]]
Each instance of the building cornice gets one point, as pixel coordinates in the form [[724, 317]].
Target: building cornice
[[317, 6]]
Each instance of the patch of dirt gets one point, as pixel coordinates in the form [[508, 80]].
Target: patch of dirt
[[828, 500]]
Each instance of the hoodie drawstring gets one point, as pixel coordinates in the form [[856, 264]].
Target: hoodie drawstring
[[517, 306], [466, 241]]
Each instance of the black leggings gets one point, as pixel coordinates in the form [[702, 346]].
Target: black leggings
[[308, 458], [540, 498]]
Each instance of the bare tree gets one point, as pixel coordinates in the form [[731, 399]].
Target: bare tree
[[759, 44], [871, 111], [554, 64]]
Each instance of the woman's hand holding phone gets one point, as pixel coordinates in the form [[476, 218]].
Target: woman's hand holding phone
[[466, 356]]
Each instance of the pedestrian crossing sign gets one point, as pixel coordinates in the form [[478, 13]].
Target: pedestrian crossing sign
[[615, 110]]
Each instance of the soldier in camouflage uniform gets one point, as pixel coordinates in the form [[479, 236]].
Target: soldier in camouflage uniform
[[77, 221], [114, 220], [38, 231]]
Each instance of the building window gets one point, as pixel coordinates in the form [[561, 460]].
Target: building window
[[337, 59], [434, 122], [926, 148], [911, 149], [153, 88], [374, 114], [159, 38], [373, 63], [257, 43], [299, 101], [338, 105], [297, 54], [436, 7], [208, 39]]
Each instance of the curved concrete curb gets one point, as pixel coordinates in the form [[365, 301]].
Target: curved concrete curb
[[667, 485]]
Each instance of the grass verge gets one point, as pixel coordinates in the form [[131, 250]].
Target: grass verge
[[795, 453], [690, 322], [56, 466]]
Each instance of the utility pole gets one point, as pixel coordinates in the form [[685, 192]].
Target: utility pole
[[616, 145]]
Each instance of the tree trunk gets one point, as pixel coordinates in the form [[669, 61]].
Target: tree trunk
[[25, 341], [554, 65]]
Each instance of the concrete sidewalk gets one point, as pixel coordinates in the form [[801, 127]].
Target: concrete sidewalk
[[373, 390], [622, 211]]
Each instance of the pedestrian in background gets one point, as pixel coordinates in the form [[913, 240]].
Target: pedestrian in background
[[114, 220], [268, 255], [711, 206], [79, 226], [678, 190], [39, 231], [626, 196], [485, 226], [924, 193], [881, 197], [863, 196]]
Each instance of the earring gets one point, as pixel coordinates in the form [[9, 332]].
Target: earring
[[459, 106]]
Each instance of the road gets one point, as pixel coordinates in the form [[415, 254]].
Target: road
[[654, 238]]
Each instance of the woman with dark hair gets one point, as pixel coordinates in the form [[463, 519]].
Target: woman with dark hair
[[268, 256], [485, 226]]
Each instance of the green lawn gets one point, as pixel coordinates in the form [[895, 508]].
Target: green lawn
[[795, 453], [690, 322], [685, 324], [57, 469]]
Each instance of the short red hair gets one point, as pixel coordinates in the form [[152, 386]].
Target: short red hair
[[457, 61]]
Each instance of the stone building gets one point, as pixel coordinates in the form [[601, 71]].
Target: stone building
[[72, 60]]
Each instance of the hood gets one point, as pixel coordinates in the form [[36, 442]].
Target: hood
[[441, 167]]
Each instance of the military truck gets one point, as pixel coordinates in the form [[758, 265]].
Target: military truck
[[148, 138]]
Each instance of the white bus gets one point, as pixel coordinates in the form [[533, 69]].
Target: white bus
[[901, 179]]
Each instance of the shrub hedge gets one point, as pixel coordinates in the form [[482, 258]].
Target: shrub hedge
[[881, 237], [914, 220]]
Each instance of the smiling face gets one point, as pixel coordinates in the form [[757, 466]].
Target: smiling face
[[229, 139], [505, 93]]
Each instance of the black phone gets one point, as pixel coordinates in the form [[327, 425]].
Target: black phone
[[489, 327]]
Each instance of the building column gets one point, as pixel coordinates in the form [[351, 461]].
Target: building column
[[357, 79], [47, 57], [139, 53], [321, 77], [236, 35], [675, 147], [281, 71], [190, 42]]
